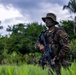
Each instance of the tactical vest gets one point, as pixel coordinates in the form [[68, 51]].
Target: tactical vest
[[53, 40], [50, 36]]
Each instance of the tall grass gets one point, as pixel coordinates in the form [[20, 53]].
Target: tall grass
[[70, 70], [33, 70], [22, 70]]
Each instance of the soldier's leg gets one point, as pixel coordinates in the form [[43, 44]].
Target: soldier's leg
[[66, 63], [57, 68], [49, 70]]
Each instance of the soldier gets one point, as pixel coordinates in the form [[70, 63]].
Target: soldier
[[58, 39]]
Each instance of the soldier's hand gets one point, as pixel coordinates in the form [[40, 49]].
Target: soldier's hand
[[55, 58], [41, 47]]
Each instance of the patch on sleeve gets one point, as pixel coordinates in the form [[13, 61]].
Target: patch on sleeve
[[65, 37]]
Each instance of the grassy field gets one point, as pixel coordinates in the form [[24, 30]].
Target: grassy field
[[22, 70], [70, 71], [33, 70]]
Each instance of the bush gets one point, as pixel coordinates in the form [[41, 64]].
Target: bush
[[73, 49], [32, 58]]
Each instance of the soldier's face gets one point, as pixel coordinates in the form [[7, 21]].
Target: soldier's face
[[49, 22]]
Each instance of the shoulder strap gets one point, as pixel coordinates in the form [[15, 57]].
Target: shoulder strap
[[56, 29]]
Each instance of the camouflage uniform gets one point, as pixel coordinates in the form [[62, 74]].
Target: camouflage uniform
[[61, 39], [58, 39]]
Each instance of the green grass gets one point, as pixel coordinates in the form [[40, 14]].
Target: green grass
[[22, 70], [70, 71], [33, 70]]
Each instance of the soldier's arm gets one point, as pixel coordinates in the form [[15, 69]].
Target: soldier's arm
[[64, 42], [39, 44]]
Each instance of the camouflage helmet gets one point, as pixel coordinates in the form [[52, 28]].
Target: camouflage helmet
[[50, 15]]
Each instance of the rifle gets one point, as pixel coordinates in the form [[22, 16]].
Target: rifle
[[46, 57]]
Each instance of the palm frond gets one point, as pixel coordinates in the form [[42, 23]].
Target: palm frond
[[71, 6]]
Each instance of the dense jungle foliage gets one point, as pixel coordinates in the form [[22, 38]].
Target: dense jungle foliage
[[19, 45]]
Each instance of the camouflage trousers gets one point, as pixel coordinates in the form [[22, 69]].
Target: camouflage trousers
[[63, 62]]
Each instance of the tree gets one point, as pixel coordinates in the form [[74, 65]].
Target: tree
[[15, 28], [68, 27], [22, 39], [15, 40], [32, 31], [72, 7]]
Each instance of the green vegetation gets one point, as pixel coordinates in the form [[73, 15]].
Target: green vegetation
[[33, 70], [70, 71], [18, 47], [22, 70]]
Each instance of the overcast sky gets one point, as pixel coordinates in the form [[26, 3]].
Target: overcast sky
[[27, 11]]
